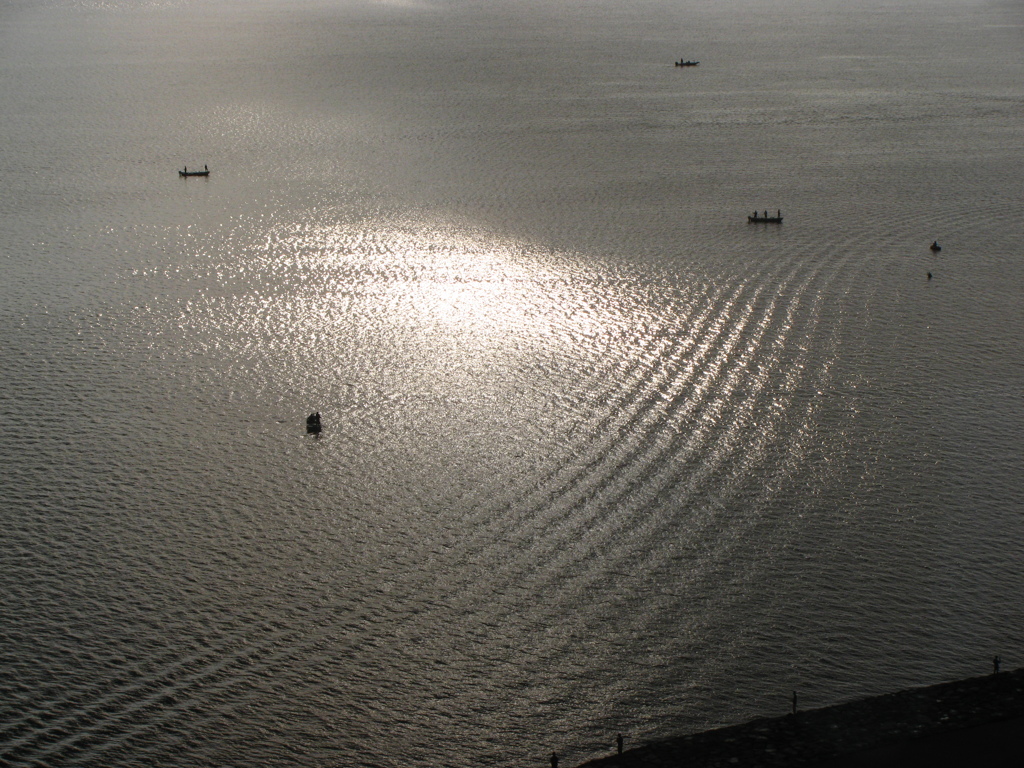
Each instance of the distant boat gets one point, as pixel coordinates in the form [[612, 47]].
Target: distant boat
[[765, 219], [935, 246], [187, 172], [684, 63], [313, 423]]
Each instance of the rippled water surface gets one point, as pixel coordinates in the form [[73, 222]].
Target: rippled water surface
[[598, 455]]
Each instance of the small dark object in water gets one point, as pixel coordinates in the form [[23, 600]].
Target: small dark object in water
[[766, 219], [929, 275], [187, 172], [936, 247], [684, 63], [313, 423]]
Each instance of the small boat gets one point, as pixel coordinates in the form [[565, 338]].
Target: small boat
[[313, 423], [935, 246], [684, 63], [187, 172], [765, 219]]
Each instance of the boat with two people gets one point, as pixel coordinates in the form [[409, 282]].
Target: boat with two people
[[765, 219], [187, 172]]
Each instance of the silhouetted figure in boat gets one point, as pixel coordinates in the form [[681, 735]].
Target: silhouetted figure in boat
[[936, 247], [554, 760], [618, 742], [313, 423], [929, 275], [995, 665]]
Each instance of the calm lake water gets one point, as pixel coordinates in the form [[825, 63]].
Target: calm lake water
[[598, 455]]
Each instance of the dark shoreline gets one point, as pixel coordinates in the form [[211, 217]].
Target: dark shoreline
[[974, 722]]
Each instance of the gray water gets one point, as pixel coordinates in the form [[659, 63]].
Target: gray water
[[599, 456]]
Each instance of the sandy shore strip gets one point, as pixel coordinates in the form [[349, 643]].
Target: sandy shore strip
[[974, 722]]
